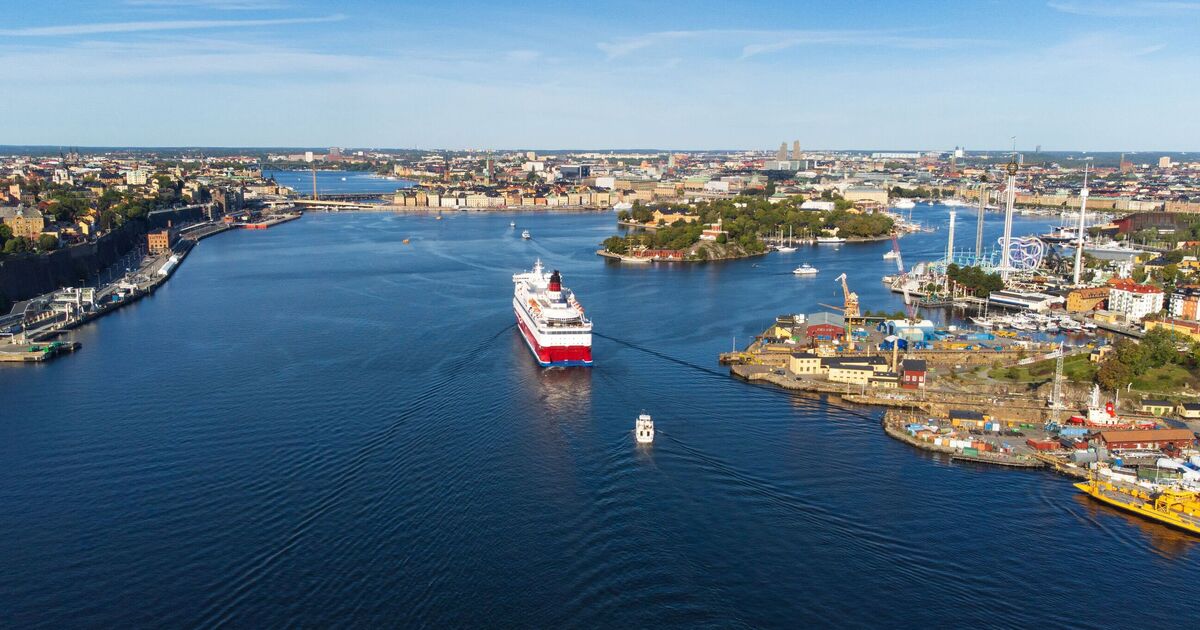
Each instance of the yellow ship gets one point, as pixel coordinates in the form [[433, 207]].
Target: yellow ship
[[1177, 508]]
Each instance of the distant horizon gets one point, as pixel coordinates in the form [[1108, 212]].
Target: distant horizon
[[5, 148]]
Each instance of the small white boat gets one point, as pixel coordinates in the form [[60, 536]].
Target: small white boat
[[786, 249], [525, 235], [343, 179], [644, 429], [889, 254], [905, 204], [806, 270], [830, 240], [512, 224]]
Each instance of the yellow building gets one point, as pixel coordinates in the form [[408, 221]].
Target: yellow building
[[1181, 326], [804, 363], [27, 222], [668, 218], [1086, 299]]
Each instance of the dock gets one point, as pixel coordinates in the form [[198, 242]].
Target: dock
[[36, 352]]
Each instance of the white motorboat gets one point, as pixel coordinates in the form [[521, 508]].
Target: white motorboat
[[889, 254], [806, 270], [644, 429], [525, 235]]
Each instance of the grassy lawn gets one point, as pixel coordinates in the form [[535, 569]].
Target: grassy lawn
[[1168, 378], [1075, 368]]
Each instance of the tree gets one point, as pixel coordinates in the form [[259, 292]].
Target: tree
[[18, 245], [1114, 374], [1169, 273], [47, 243]]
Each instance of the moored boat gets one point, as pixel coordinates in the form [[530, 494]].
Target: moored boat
[[1170, 506]]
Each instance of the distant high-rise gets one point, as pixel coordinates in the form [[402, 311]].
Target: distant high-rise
[[782, 154], [958, 152], [1164, 161], [1126, 166], [796, 150], [1037, 149]]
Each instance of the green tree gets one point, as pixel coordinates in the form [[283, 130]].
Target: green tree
[[47, 243], [1113, 374]]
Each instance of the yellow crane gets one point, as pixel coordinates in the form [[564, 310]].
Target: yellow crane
[[850, 308]]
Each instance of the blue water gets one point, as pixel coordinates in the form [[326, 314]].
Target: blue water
[[331, 182], [317, 425]]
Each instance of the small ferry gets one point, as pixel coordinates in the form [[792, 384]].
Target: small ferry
[[1170, 506], [525, 235], [644, 429], [806, 270]]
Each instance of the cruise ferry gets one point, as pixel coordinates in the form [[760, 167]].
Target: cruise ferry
[[551, 319]]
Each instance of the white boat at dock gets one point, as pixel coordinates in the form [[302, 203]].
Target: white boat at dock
[[905, 204], [830, 240]]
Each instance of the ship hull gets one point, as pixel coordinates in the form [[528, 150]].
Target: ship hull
[[553, 356], [1170, 519]]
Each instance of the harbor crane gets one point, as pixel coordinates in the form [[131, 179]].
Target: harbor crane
[[850, 309]]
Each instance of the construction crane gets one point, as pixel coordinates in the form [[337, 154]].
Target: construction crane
[[850, 309]]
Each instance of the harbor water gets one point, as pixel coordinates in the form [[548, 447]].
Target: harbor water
[[320, 425]]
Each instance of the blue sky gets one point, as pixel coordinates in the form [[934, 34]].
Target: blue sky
[[1065, 74]]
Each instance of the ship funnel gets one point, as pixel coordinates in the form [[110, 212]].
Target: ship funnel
[[555, 282]]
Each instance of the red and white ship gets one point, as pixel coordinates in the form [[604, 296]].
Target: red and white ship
[[551, 319]]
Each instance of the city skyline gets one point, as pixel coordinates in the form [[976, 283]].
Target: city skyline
[[1084, 76]]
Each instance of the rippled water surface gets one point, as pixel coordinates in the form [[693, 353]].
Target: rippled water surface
[[318, 425]]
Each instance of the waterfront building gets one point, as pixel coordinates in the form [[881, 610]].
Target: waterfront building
[[1189, 411], [1156, 407], [804, 363], [854, 370], [1086, 299], [824, 326], [23, 221], [1147, 439], [1134, 301], [712, 232], [668, 218], [160, 241], [1184, 327], [912, 373]]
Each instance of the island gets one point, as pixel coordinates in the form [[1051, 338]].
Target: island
[[737, 227]]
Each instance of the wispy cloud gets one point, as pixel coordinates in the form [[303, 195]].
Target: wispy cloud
[[1127, 9], [225, 5], [758, 42], [163, 25]]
